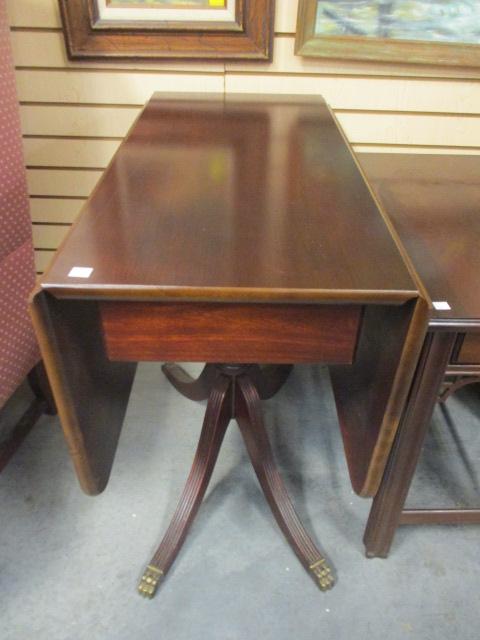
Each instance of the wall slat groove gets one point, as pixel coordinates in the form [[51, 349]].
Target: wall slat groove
[[66, 138], [62, 183], [14, 29], [42, 259], [49, 236], [58, 210], [135, 88], [99, 71]]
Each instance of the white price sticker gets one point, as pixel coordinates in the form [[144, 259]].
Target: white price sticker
[[442, 305], [80, 272]]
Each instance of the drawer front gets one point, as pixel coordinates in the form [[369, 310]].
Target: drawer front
[[242, 333], [469, 352]]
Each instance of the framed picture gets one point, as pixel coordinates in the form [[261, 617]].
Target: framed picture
[[152, 29], [441, 32]]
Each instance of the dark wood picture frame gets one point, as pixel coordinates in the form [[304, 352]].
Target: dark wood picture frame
[[248, 37], [354, 47]]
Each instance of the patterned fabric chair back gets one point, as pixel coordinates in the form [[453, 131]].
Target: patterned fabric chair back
[[18, 347]]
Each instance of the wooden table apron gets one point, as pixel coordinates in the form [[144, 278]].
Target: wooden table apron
[[92, 389], [286, 255]]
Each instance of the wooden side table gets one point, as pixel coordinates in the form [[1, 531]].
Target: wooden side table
[[434, 203], [241, 233]]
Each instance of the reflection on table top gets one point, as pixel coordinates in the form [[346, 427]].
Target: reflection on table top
[[214, 198]]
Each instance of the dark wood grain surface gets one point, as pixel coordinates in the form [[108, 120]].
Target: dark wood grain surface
[[470, 349], [91, 392], [434, 203], [242, 333], [233, 200]]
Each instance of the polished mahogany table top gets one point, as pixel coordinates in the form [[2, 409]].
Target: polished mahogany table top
[[434, 203], [237, 229], [247, 197]]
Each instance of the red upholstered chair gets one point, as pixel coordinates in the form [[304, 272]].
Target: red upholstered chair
[[19, 354]]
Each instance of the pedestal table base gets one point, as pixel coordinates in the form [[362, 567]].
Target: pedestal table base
[[233, 391]]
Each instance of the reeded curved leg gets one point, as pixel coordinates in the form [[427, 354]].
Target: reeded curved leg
[[452, 387], [217, 417], [270, 378], [249, 417], [198, 389]]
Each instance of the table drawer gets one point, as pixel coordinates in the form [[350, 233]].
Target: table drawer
[[214, 332], [469, 352]]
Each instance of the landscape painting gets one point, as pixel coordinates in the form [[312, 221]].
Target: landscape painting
[[420, 20], [433, 32]]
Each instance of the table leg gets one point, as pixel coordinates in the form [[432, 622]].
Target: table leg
[[217, 417], [192, 389], [452, 387], [249, 417], [386, 511], [269, 379]]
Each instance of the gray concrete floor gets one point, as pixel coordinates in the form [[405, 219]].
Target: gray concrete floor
[[69, 563]]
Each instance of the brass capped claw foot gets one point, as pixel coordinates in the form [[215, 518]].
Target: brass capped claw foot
[[149, 582], [323, 574]]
